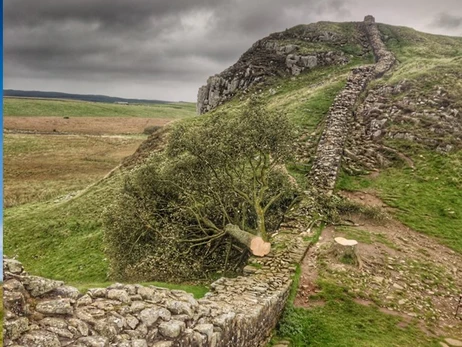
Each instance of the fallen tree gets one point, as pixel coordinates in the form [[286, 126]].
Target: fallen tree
[[206, 201]]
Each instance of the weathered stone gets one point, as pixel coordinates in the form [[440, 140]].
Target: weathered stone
[[15, 302], [206, 329], [119, 294], [163, 344], [84, 316], [149, 316], [38, 285], [179, 307], [81, 326], [97, 292], [132, 321], [40, 338], [139, 343], [12, 265], [106, 329], [54, 322], [15, 328], [138, 306], [60, 332], [94, 341], [67, 292], [59, 306], [13, 285], [172, 328], [146, 292], [84, 300]]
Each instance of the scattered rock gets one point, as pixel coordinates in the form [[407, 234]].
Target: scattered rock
[[453, 342]]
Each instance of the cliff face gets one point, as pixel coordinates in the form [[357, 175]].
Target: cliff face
[[284, 54]]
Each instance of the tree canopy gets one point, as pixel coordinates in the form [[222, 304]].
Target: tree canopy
[[213, 195]]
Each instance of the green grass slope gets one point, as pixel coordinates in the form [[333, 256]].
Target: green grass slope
[[429, 197]]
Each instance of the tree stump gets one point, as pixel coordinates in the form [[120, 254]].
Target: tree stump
[[345, 251]]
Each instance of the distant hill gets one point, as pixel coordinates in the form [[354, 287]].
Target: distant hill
[[82, 97]]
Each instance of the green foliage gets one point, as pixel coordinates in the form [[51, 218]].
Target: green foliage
[[169, 221], [69, 108]]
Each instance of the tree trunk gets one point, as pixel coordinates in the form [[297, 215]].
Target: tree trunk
[[254, 243]]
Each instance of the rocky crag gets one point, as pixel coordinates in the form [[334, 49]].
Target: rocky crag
[[237, 312], [276, 55]]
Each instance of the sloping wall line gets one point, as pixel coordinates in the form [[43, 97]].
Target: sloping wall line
[[329, 153]]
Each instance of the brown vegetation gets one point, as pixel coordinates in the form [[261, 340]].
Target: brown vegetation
[[81, 125]]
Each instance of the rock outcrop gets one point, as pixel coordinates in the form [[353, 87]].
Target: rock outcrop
[[264, 59], [277, 55]]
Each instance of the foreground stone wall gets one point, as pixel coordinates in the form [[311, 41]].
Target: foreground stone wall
[[331, 146], [238, 311]]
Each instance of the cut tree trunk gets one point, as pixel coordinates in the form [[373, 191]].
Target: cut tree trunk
[[255, 244], [345, 251]]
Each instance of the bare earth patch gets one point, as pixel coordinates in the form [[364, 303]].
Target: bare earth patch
[[81, 125], [403, 272]]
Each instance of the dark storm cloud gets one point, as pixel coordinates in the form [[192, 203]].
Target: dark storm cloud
[[448, 21], [109, 13], [176, 40], [169, 47]]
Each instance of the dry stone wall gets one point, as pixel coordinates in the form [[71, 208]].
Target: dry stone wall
[[384, 58], [240, 311], [329, 153]]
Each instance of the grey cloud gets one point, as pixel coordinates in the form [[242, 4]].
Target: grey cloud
[[174, 43], [448, 21], [108, 13]]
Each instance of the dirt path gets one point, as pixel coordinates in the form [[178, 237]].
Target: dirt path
[[403, 272]]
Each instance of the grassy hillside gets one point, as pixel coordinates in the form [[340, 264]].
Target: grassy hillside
[[343, 322], [70, 108], [427, 198]]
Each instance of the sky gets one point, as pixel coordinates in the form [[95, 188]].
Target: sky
[[166, 49]]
